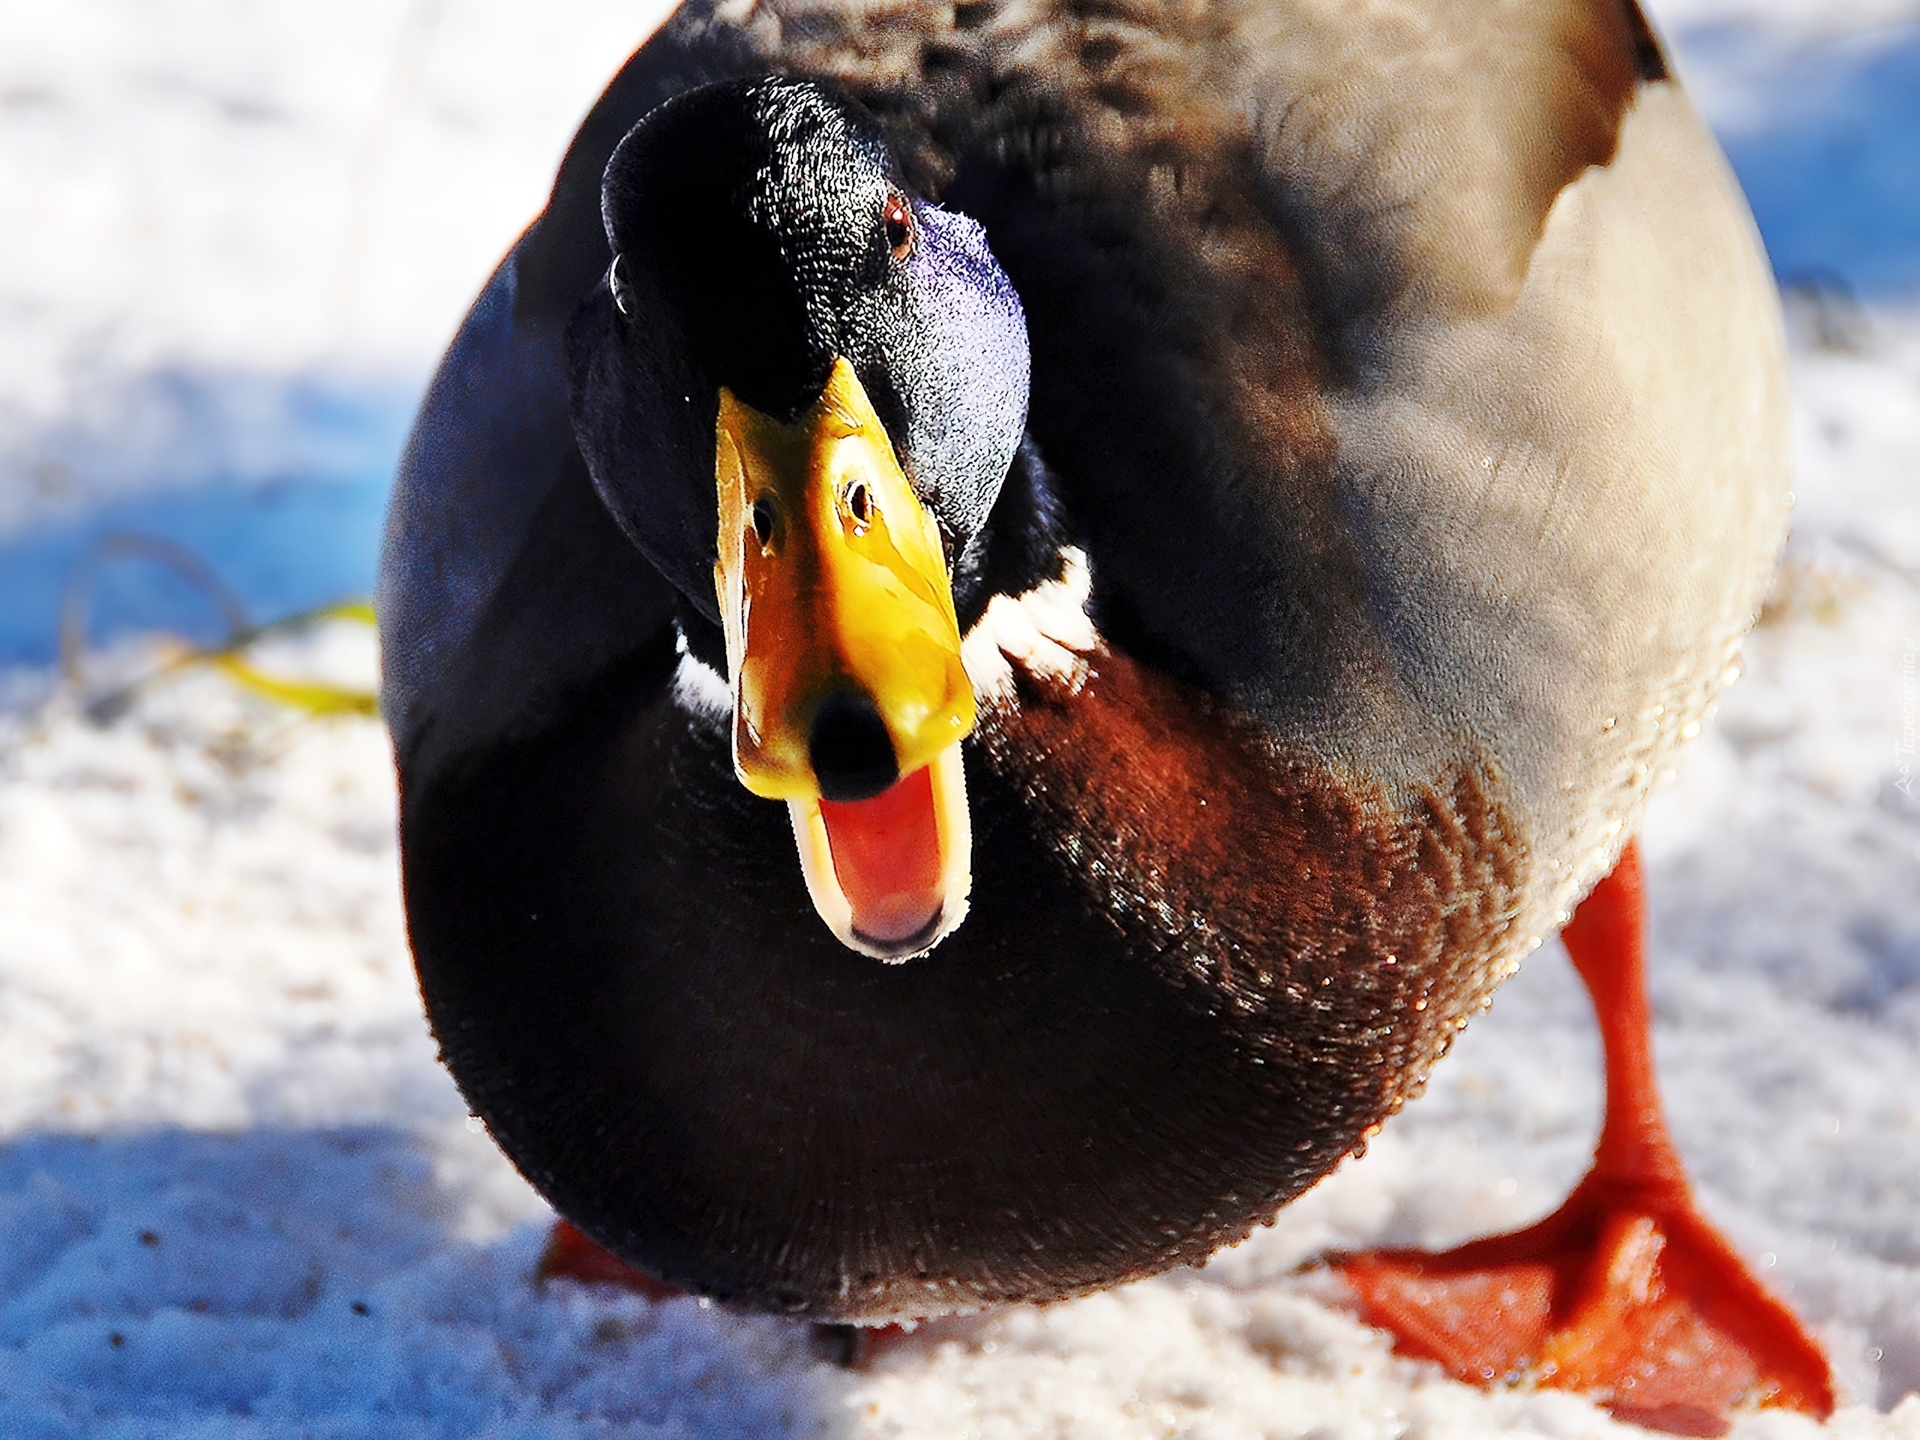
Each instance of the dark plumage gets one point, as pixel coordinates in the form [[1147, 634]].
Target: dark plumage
[[1383, 469]]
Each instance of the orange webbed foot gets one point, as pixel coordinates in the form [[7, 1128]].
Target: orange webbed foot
[[1626, 1298], [572, 1256], [1627, 1293]]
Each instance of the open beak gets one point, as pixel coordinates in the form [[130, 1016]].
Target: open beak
[[849, 698]]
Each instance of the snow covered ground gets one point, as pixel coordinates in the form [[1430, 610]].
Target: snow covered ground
[[238, 1196]]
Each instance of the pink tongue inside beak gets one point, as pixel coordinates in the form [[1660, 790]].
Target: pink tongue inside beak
[[886, 855]]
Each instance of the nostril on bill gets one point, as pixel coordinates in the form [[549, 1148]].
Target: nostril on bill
[[852, 753]]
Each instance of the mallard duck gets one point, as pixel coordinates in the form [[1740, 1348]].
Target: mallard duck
[[1005, 616]]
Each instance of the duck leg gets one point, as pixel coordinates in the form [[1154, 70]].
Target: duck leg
[[1626, 1292]]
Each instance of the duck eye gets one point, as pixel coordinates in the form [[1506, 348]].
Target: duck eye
[[860, 502], [897, 221], [763, 518]]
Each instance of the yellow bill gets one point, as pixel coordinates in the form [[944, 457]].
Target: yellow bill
[[843, 654]]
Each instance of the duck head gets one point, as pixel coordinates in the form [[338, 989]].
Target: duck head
[[798, 391]]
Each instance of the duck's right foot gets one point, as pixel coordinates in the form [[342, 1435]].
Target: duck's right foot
[[572, 1256]]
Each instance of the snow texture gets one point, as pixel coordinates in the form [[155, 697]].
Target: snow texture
[[238, 1196]]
